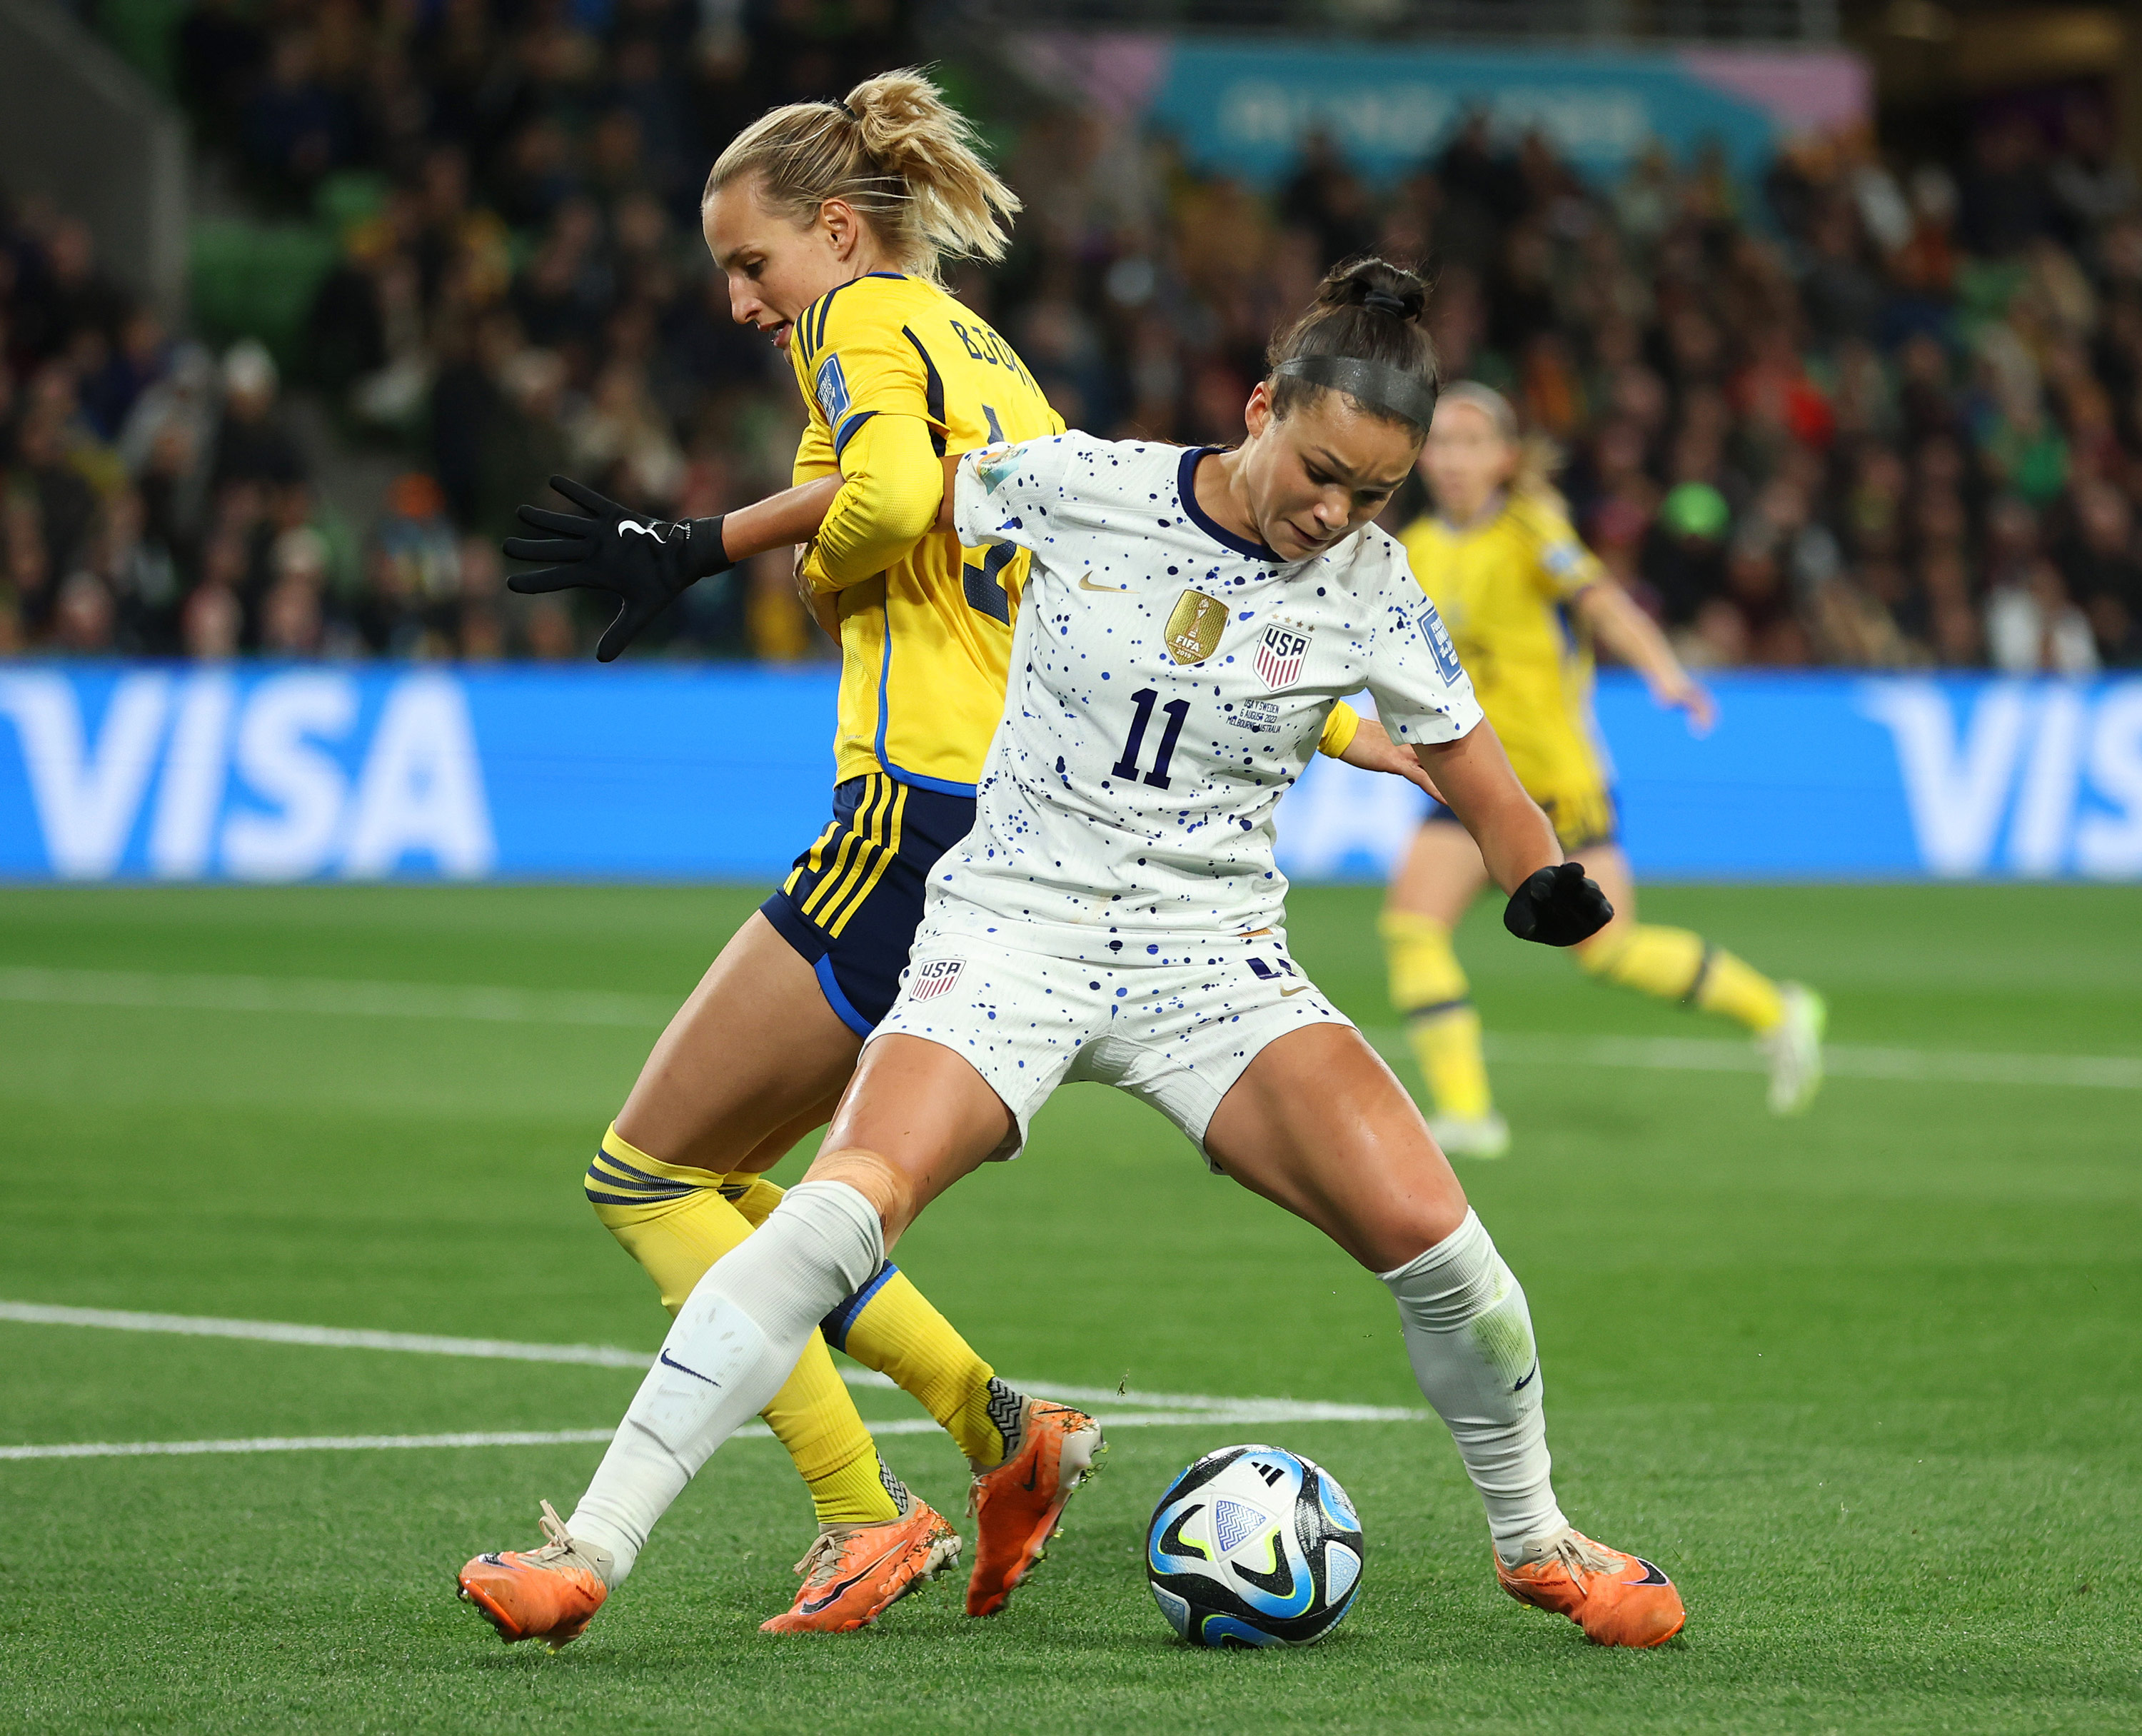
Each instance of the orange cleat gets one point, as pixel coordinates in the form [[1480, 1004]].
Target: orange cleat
[[1617, 1600], [550, 1594], [1016, 1506], [854, 1573]]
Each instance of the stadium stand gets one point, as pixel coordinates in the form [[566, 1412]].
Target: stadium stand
[[1865, 413]]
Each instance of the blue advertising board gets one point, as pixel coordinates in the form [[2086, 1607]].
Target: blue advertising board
[[271, 773], [1241, 106]]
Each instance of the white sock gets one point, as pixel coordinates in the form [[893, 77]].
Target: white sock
[[1470, 1336], [737, 1338]]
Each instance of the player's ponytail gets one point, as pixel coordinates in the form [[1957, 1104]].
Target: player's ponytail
[[896, 152], [1362, 337]]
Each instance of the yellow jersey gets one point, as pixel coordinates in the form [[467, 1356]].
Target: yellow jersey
[[925, 646], [1502, 587]]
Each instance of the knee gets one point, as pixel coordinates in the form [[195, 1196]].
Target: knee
[[1600, 955], [891, 1193]]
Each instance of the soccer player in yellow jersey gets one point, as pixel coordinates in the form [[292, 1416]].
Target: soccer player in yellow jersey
[[1524, 600], [829, 220]]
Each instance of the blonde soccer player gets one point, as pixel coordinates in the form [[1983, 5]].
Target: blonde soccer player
[[830, 221], [1192, 618], [1525, 601]]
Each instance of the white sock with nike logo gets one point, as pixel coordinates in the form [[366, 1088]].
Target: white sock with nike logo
[[735, 1340], [1470, 1336]]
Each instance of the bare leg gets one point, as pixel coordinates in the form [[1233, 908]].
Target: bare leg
[[1318, 1124], [1441, 876], [755, 1050]]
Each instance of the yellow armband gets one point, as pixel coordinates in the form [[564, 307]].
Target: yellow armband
[[892, 485], [1339, 730]]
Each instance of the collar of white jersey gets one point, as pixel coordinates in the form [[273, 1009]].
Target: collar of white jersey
[[1185, 487]]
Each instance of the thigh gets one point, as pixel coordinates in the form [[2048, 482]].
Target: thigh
[[1441, 875], [754, 1049], [923, 1110], [1319, 1125]]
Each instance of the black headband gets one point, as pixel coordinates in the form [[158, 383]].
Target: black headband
[[1378, 384]]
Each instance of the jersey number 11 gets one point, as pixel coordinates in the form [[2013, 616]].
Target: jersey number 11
[[1177, 710]]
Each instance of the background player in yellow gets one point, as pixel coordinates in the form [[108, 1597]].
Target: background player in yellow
[[829, 220], [1524, 600]]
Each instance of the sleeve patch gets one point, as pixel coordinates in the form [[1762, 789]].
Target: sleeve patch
[[831, 389], [993, 464], [1561, 558], [1440, 647]]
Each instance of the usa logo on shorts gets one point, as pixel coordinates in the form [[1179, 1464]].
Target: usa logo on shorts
[[1279, 653], [1440, 647], [934, 978]]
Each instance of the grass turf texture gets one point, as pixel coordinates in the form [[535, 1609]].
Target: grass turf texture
[[1866, 1384]]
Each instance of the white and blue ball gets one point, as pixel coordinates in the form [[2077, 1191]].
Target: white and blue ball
[[1253, 1545]]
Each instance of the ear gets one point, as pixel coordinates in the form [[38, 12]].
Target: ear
[[842, 227], [1257, 413]]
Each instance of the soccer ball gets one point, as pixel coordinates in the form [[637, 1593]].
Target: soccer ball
[[1252, 1545]]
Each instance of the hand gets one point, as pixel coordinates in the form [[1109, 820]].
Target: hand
[[1558, 907], [820, 608], [1681, 692], [646, 562], [1373, 750]]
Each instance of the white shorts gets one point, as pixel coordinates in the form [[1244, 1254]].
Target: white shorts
[[1176, 1033]]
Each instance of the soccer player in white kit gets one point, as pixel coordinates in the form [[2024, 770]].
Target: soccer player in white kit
[[1115, 915]]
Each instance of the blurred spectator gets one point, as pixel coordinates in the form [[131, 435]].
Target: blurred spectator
[[1866, 410]]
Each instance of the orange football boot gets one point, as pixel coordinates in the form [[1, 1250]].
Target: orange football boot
[[1617, 1599], [1016, 1506], [854, 1573], [550, 1594]]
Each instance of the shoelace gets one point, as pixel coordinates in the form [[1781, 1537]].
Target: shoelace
[[822, 1559], [558, 1541], [1580, 1556]]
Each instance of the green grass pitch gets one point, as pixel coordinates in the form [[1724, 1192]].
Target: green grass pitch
[[1869, 1384]]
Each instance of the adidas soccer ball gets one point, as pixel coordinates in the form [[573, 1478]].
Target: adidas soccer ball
[[1252, 1545]]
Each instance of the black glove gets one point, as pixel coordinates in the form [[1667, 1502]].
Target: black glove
[[1558, 907], [646, 561]]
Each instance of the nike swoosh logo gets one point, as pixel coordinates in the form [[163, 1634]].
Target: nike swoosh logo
[[1527, 1382], [1652, 1576], [1285, 993], [695, 1374], [833, 1596], [1086, 583]]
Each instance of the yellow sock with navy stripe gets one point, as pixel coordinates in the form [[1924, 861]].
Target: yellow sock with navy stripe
[[889, 1325], [1428, 986], [674, 1220], [1674, 964]]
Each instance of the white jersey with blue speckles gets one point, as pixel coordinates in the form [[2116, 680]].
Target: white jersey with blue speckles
[[1169, 681]]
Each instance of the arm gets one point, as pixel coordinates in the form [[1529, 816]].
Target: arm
[[891, 488], [792, 516], [1552, 901], [1477, 785], [1634, 638], [1363, 742]]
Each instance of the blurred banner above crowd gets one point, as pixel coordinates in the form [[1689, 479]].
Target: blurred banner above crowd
[[1242, 108], [293, 772]]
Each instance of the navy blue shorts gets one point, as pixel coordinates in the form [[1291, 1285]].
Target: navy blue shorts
[[851, 903]]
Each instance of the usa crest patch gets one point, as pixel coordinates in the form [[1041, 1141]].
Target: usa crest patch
[[933, 978], [831, 388], [993, 464], [1279, 655], [1440, 647]]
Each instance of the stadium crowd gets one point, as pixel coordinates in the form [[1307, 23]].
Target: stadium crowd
[[1853, 415]]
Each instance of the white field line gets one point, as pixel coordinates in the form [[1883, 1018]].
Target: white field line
[[1843, 1060], [1257, 1412], [1141, 1410], [336, 998]]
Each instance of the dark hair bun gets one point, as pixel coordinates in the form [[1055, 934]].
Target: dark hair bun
[[1376, 284]]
